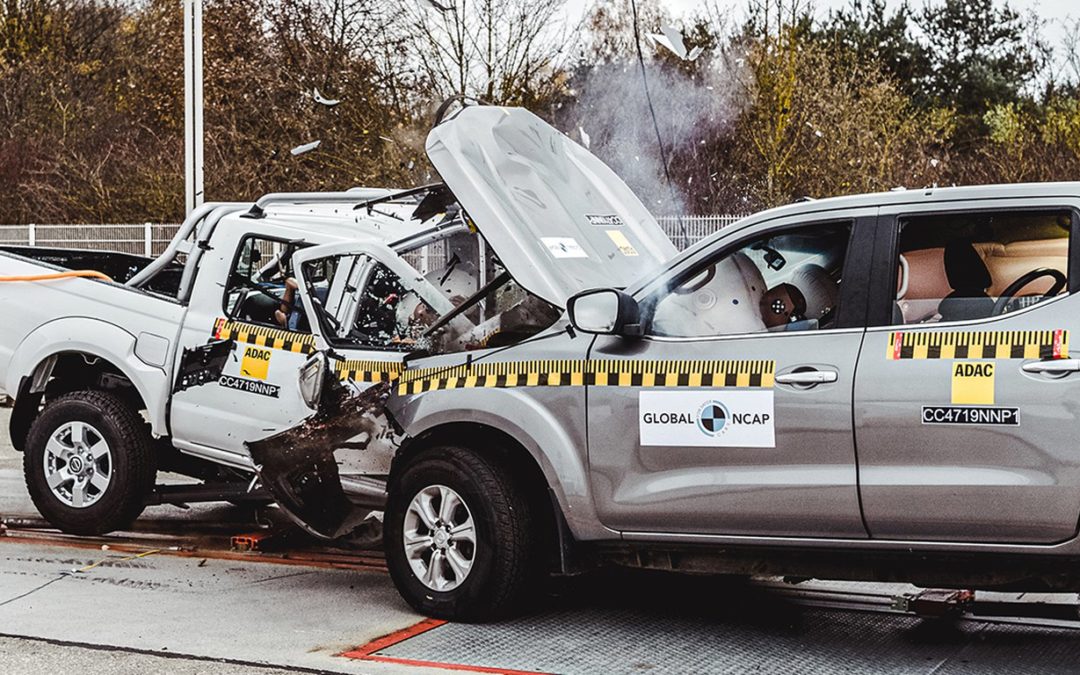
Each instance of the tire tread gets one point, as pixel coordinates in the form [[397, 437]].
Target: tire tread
[[514, 566], [133, 434]]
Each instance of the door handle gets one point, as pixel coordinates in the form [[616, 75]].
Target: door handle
[[1052, 366], [807, 377]]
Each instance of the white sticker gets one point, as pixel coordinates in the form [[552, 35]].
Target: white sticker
[[564, 247], [605, 220], [707, 418]]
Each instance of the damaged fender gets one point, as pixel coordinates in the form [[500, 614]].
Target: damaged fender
[[298, 468]]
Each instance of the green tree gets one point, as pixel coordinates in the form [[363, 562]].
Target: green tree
[[981, 54], [870, 33]]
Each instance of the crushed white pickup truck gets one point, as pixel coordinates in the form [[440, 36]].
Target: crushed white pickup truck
[[185, 362]]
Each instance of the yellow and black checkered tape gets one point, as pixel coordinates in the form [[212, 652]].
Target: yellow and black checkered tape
[[368, 371], [549, 373], [262, 336], [1016, 344], [595, 372]]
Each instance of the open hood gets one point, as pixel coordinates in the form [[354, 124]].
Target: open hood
[[559, 219]]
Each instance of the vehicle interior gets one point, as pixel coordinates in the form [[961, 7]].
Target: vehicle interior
[[261, 287], [363, 303], [973, 265], [787, 281]]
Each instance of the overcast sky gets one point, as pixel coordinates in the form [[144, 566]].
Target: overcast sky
[[1048, 9]]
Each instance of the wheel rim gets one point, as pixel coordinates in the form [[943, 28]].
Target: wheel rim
[[78, 464], [439, 538]]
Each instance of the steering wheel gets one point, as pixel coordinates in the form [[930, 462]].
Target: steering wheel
[[694, 288], [1024, 280], [247, 283]]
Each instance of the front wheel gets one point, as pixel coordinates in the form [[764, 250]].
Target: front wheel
[[459, 536], [88, 463]]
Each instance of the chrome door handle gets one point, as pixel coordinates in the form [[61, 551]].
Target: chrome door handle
[[807, 377], [1052, 366]]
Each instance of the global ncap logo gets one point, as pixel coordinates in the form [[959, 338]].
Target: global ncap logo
[[712, 418]]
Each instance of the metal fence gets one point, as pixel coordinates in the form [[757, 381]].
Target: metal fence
[[685, 231], [150, 239], [147, 239]]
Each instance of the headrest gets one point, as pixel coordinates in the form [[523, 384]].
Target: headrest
[[964, 267]]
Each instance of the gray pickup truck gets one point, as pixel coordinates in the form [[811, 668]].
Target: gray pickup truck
[[875, 387], [870, 387]]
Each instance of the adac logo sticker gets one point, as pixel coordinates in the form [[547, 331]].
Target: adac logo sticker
[[256, 362], [707, 418], [973, 382]]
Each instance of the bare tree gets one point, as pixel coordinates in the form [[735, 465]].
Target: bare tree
[[503, 51]]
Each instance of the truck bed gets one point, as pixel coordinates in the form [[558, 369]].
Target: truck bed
[[88, 315], [119, 266]]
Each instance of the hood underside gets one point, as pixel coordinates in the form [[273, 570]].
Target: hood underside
[[560, 220]]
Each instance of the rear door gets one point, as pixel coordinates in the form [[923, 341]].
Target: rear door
[[967, 428], [732, 416]]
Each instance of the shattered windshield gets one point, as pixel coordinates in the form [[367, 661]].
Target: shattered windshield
[[362, 303]]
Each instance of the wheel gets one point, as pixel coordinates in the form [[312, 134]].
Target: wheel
[[88, 463], [459, 536]]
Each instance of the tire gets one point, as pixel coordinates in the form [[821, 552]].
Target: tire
[[114, 482], [504, 553]]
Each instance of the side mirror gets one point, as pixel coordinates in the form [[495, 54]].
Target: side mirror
[[605, 311], [311, 379]]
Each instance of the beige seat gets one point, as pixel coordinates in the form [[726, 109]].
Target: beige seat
[[928, 283]]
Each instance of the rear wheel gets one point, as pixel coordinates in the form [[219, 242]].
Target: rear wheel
[[88, 463], [459, 536]]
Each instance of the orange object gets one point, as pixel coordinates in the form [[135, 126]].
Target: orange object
[[85, 274]]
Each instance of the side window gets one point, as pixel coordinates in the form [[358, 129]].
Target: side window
[[783, 281], [261, 288], [362, 303], [972, 265]]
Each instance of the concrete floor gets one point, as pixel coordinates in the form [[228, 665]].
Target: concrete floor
[[169, 614], [118, 616]]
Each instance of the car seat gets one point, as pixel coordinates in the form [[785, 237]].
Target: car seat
[[969, 278]]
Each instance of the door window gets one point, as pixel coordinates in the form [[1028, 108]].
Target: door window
[[972, 265], [787, 280], [261, 287], [362, 303]]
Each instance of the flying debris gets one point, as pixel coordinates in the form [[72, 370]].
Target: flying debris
[[585, 140], [328, 102], [306, 147], [672, 40]]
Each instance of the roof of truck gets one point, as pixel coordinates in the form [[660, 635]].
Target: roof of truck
[[386, 222], [904, 197]]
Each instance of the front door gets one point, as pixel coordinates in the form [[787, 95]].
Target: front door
[[369, 308], [732, 416], [966, 408], [252, 393]]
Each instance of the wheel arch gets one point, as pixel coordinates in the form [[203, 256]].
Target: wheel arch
[[524, 466], [73, 353], [529, 426]]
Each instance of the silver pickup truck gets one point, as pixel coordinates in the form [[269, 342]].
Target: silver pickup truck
[[872, 387]]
